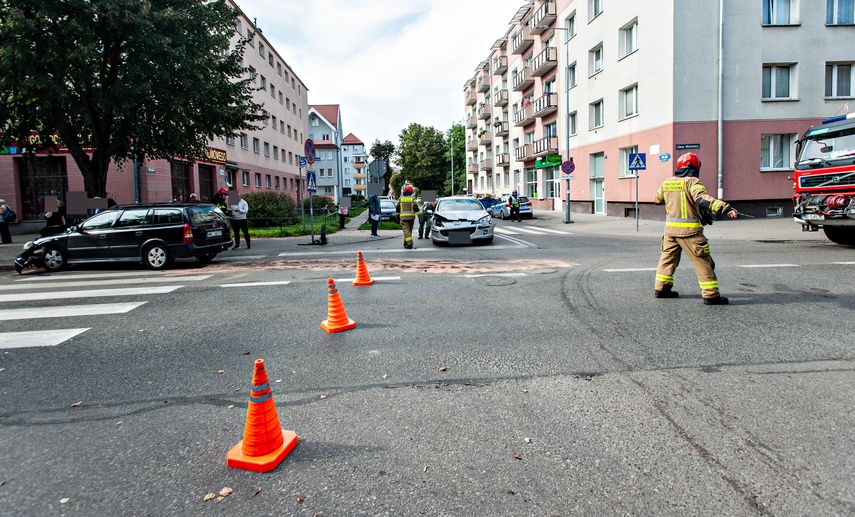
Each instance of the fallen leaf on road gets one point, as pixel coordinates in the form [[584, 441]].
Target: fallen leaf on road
[[237, 389], [385, 376], [209, 496], [278, 380], [220, 499], [246, 352], [517, 456], [299, 499], [119, 422], [221, 371], [323, 397], [424, 469], [64, 500], [76, 404], [226, 491], [443, 368], [231, 406], [257, 491], [527, 439]]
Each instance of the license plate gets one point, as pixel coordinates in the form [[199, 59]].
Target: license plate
[[814, 217], [214, 233]]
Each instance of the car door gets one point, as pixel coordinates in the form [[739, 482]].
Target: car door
[[129, 232], [91, 240]]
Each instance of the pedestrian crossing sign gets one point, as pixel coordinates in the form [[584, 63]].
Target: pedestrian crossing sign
[[311, 182], [637, 161]]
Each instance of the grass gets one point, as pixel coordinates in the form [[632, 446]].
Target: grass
[[296, 230]]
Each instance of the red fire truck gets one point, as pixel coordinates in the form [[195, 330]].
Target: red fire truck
[[824, 179]]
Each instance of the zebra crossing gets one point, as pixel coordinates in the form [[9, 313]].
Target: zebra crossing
[[142, 285], [527, 230]]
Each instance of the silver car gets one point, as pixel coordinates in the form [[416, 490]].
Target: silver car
[[461, 220]]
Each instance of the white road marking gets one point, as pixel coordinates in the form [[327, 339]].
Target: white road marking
[[770, 265], [68, 310], [372, 252], [375, 278], [95, 293], [630, 269], [240, 257], [92, 283], [78, 276], [37, 338], [495, 274], [550, 230], [530, 231], [254, 284], [844, 263], [518, 242]]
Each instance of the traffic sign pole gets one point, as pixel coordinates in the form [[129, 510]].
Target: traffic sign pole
[[567, 168]]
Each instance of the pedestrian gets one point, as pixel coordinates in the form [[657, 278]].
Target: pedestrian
[[374, 214], [406, 209], [54, 222], [514, 201], [425, 220], [193, 198], [238, 214], [687, 209], [5, 235]]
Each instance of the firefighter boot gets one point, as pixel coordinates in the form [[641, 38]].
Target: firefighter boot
[[717, 300], [666, 292]]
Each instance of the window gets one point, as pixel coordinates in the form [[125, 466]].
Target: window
[[838, 80], [276, 182], [258, 179], [776, 82], [256, 145], [629, 101], [550, 130], [275, 125], [629, 38], [777, 12], [243, 141], [239, 26], [267, 180], [278, 71], [315, 122], [595, 59], [289, 130], [261, 49], [573, 123], [571, 75], [281, 98], [595, 114], [275, 152], [270, 60], [263, 83], [840, 12], [272, 91], [623, 161], [776, 151], [571, 26], [252, 75], [595, 7], [230, 140], [245, 178], [266, 149], [282, 126]]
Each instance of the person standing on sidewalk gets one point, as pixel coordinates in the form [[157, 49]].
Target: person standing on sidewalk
[[5, 234], [406, 210], [687, 207], [374, 214], [238, 214], [424, 220], [514, 201]]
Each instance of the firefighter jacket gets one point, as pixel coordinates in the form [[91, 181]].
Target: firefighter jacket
[[685, 200], [407, 208]]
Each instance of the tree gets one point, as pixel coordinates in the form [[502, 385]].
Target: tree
[[456, 136], [385, 152], [115, 79], [421, 155]]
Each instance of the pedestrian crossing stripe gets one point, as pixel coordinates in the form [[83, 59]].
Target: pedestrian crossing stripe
[[516, 230], [35, 338], [68, 310], [94, 293], [93, 283]]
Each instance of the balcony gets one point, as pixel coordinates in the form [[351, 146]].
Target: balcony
[[503, 160], [524, 116], [487, 165], [544, 146], [500, 65], [546, 104], [544, 62], [502, 128], [485, 138], [359, 176], [522, 40], [472, 168], [472, 145], [471, 122], [524, 154], [484, 113], [470, 95], [522, 80], [501, 97], [359, 163], [544, 16], [483, 85], [360, 188]]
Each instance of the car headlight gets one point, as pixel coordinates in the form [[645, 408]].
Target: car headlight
[[484, 221], [28, 245]]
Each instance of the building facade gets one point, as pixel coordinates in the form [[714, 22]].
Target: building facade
[[263, 159], [325, 131], [354, 160], [734, 81]]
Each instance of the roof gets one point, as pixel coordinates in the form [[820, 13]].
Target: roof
[[328, 111], [351, 139]]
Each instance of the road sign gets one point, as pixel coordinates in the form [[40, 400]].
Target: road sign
[[568, 176], [688, 146], [311, 182], [568, 167], [637, 161], [664, 157], [303, 161], [309, 149]]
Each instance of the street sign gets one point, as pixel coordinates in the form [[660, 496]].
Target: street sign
[[664, 157], [309, 149], [688, 146], [568, 176], [568, 167], [303, 161], [311, 182], [637, 161]]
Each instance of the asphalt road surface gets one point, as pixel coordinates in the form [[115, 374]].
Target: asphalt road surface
[[534, 376]]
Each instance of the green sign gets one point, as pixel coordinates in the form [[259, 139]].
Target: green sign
[[550, 160]]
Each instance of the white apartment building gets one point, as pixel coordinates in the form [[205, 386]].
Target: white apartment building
[[735, 81], [354, 159]]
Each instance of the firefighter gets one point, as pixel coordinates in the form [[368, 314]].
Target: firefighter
[[424, 220], [688, 207], [406, 210]]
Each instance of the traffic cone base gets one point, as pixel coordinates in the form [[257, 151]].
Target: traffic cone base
[[337, 320], [362, 276], [338, 327], [235, 458]]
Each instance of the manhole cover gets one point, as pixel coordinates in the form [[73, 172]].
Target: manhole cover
[[495, 280]]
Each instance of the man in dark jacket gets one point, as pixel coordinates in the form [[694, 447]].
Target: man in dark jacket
[[374, 214]]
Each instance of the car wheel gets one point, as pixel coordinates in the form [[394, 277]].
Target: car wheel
[[206, 257], [840, 235], [53, 259], [502, 215], [19, 269], [156, 257]]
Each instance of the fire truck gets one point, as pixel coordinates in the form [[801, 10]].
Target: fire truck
[[824, 179]]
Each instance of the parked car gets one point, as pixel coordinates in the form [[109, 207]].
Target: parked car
[[502, 208], [154, 234], [461, 220], [387, 210]]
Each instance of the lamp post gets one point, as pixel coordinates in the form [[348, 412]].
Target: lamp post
[[567, 218], [451, 135]]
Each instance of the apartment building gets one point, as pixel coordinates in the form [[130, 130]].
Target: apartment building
[[354, 160], [325, 132], [735, 81], [263, 159]]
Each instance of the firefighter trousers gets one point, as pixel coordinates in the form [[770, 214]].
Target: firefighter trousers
[[407, 225], [698, 249]]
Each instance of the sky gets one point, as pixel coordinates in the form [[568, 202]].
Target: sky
[[387, 63]]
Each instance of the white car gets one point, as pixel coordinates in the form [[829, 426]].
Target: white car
[[461, 220]]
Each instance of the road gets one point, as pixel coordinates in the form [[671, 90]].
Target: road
[[534, 376]]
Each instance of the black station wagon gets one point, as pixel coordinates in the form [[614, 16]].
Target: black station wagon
[[154, 234]]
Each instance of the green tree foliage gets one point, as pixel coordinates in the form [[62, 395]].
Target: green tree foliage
[[421, 156], [114, 79], [456, 142], [270, 208], [396, 183], [383, 151]]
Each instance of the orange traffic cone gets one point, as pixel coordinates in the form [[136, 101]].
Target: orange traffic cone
[[362, 276], [337, 319], [265, 444]]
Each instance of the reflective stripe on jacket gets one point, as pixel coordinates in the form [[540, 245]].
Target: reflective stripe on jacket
[[406, 208], [683, 198]]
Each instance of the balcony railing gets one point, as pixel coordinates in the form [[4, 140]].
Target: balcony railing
[[522, 80], [524, 116], [503, 160], [483, 84], [485, 138], [359, 176], [472, 168], [487, 164], [543, 17], [544, 146], [522, 40], [500, 65], [502, 128], [546, 104], [484, 112], [359, 164], [472, 145], [523, 153], [544, 62], [471, 122], [470, 96], [501, 98]]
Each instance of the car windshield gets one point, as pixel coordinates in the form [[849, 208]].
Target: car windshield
[[523, 199], [100, 221], [457, 205], [205, 214], [388, 205]]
